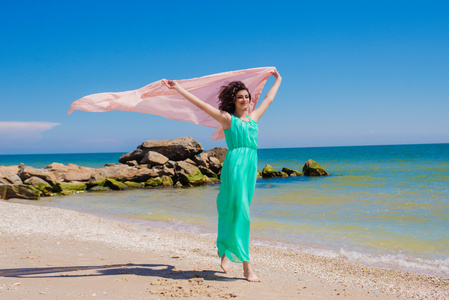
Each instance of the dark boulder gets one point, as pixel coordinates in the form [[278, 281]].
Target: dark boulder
[[9, 191], [115, 185], [215, 165], [312, 168], [217, 152], [292, 172], [269, 172], [132, 163], [190, 175], [175, 149], [136, 155]]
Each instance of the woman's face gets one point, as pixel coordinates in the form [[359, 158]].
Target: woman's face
[[242, 100]]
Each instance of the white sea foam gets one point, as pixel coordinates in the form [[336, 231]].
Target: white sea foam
[[434, 267]]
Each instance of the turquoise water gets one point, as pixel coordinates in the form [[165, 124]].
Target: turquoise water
[[94, 160], [382, 205]]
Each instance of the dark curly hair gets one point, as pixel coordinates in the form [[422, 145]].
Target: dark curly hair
[[227, 95]]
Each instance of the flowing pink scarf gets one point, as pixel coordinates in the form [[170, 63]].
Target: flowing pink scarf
[[157, 99]]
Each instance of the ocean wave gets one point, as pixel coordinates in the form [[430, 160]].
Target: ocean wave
[[433, 267]]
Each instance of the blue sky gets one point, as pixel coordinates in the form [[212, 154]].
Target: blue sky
[[354, 72]]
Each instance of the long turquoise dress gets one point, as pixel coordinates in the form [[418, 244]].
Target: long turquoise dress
[[238, 180]]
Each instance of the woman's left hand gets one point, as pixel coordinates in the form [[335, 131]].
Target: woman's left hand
[[276, 74]]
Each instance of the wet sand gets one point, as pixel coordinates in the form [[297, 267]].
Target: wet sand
[[51, 253]]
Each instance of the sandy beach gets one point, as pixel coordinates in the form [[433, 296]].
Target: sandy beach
[[51, 253]]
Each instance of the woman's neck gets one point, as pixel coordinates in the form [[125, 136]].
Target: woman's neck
[[240, 114]]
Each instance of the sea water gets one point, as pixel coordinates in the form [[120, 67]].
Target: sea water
[[384, 206]]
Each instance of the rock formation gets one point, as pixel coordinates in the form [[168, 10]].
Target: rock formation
[[179, 162]]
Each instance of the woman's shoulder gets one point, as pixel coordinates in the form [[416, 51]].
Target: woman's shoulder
[[230, 118]]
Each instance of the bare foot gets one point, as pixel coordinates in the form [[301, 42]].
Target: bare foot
[[225, 263], [249, 274]]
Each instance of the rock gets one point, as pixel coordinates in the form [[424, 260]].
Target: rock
[[259, 175], [70, 188], [136, 155], [9, 191], [99, 188], [163, 181], [215, 165], [36, 181], [189, 161], [154, 182], [78, 174], [133, 163], [208, 172], [56, 165], [28, 172], [154, 158], [70, 172], [134, 185], [182, 166], [217, 152], [115, 185], [201, 160], [175, 149], [141, 175], [163, 171], [14, 179], [112, 165], [209, 166], [95, 178], [178, 184], [167, 181], [159, 182], [190, 175], [44, 189], [8, 171], [59, 170], [121, 172], [56, 188], [312, 168], [269, 172], [170, 164], [292, 172]]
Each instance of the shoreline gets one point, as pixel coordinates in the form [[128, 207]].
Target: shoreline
[[385, 260], [59, 248], [382, 259]]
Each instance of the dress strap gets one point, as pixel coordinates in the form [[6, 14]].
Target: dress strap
[[251, 119]]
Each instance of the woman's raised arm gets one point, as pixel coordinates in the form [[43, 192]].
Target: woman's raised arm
[[269, 97], [222, 117]]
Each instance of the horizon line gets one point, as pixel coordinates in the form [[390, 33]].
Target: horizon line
[[340, 146]]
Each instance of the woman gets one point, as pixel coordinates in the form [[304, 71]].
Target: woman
[[238, 175]]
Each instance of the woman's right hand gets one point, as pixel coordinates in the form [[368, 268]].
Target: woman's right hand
[[171, 84]]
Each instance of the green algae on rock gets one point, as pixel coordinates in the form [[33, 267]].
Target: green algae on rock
[[312, 168], [115, 185]]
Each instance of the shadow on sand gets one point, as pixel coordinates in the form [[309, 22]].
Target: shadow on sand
[[164, 271]]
